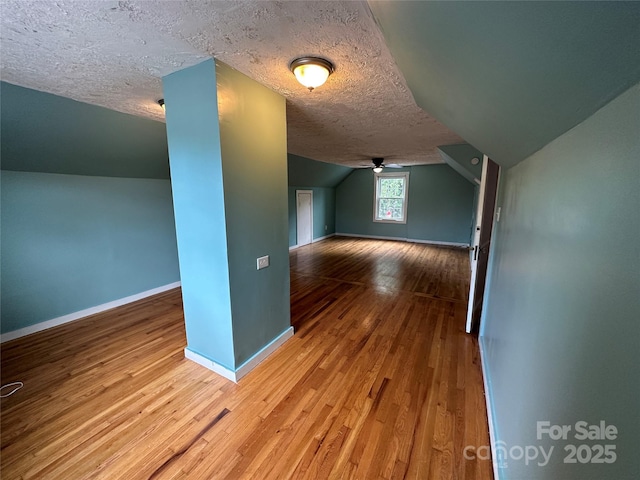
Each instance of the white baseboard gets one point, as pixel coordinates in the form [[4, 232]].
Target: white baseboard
[[267, 350], [323, 238], [210, 364], [436, 242], [403, 239], [487, 397], [293, 247], [54, 322], [247, 366]]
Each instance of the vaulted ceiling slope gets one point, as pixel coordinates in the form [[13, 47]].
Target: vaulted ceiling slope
[[510, 77], [47, 133], [461, 159], [304, 172], [114, 54]]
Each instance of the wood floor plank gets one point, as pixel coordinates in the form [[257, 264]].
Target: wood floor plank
[[379, 382]]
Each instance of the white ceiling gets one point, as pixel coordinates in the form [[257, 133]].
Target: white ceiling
[[114, 54]]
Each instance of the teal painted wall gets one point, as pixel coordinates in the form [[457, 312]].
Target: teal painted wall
[[227, 144], [322, 178], [72, 242], [305, 171], [441, 203], [198, 199], [439, 209], [324, 212], [354, 206], [253, 130], [46, 133], [560, 327]]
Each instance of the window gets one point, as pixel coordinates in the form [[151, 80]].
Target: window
[[391, 197]]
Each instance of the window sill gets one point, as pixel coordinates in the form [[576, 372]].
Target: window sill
[[400, 222]]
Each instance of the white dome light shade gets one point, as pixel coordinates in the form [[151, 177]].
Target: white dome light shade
[[311, 71]]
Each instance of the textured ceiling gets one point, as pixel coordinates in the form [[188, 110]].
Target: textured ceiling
[[114, 54]]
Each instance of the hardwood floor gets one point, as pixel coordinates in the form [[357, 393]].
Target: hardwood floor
[[379, 382]]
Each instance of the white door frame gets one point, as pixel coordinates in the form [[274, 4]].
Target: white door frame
[[298, 215], [476, 242], [477, 238]]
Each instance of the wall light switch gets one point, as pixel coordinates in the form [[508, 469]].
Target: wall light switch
[[498, 212], [263, 262]]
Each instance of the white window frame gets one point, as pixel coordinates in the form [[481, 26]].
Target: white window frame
[[376, 198]]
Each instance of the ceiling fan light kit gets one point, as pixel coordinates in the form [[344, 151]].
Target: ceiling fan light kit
[[378, 165]]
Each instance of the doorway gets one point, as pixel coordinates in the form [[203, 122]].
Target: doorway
[[482, 241], [304, 217]]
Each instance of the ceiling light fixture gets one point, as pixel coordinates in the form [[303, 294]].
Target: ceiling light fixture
[[311, 71], [161, 103]]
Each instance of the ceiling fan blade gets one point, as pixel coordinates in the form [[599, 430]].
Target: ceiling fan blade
[[393, 165]]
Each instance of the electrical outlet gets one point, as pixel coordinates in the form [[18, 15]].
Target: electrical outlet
[[263, 262], [325, 228]]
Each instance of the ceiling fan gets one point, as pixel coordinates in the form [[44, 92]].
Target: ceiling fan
[[378, 165]]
